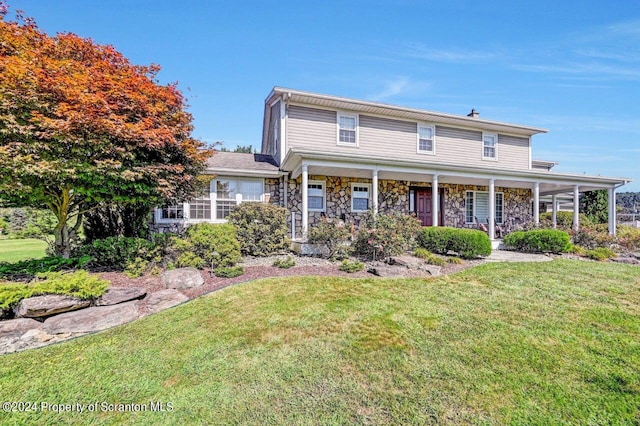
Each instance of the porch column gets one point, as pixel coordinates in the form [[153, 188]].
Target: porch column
[[612, 211], [305, 200], [536, 203], [374, 190], [492, 209], [554, 210], [576, 207], [435, 202]]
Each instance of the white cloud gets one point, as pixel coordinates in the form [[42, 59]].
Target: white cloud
[[399, 86]]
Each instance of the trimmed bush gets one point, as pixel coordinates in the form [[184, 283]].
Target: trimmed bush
[[538, 241], [351, 267], [601, 253], [333, 235], [206, 243], [229, 271], [467, 243], [77, 284], [261, 228], [564, 219], [386, 235], [285, 263]]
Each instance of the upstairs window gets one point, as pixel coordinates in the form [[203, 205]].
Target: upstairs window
[[489, 146], [347, 129], [426, 143], [360, 197]]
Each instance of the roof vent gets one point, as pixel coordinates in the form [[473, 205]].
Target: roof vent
[[473, 113]]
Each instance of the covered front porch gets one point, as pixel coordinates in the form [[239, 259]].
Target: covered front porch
[[346, 188]]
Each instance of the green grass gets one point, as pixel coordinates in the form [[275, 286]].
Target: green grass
[[15, 250], [537, 343]]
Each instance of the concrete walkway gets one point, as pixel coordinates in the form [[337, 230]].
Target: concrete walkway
[[514, 256]]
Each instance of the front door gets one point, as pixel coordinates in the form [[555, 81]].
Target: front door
[[423, 206]]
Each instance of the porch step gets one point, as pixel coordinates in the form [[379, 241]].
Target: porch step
[[497, 245]]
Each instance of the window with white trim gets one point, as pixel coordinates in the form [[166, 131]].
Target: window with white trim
[[200, 207], [426, 139], [360, 196], [477, 205], [489, 146], [347, 129], [316, 196], [172, 212], [231, 191]]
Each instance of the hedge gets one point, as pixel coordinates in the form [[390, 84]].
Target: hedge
[[261, 228], [538, 241], [467, 243]]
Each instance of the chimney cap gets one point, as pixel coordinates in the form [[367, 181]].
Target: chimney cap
[[473, 113]]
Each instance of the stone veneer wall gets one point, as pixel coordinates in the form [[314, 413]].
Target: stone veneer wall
[[273, 186], [393, 196], [517, 204]]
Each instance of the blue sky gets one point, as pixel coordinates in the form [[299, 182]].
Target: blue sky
[[572, 67]]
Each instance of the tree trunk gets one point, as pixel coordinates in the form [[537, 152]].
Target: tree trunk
[[60, 207]]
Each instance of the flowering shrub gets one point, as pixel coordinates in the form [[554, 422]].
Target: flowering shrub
[[386, 235], [333, 235], [592, 237], [629, 237]]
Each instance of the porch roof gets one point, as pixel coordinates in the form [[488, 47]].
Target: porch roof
[[241, 164], [349, 165]]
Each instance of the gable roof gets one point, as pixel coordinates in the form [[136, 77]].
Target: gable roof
[[413, 114], [241, 164]]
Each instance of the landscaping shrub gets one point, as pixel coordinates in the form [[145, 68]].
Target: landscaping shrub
[[284, 263], [593, 236], [25, 270], [601, 253], [117, 252], [467, 243], [77, 284], [333, 235], [628, 237], [429, 257], [385, 235], [229, 271], [454, 260], [204, 244], [539, 241], [351, 267], [564, 220], [261, 228]]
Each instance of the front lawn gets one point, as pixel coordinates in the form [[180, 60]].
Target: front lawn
[[15, 250], [521, 343]]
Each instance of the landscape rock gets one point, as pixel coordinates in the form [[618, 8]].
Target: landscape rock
[[164, 299], [390, 271], [182, 278], [406, 261], [115, 295], [433, 270], [17, 327], [92, 319], [47, 305], [626, 260]]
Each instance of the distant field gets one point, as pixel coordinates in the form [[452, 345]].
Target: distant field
[[14, 250]]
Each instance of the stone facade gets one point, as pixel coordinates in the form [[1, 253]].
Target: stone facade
[[518, 204], [393, 196], [273, 186]]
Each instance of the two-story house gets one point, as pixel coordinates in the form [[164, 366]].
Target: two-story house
[[337, 157]]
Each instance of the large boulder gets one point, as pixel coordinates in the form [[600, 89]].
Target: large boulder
[[91, 319], [182, 278], [164, 299], [17, 327], [115, 295], [47, 305]]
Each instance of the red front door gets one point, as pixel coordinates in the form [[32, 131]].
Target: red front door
[[423, 206]]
